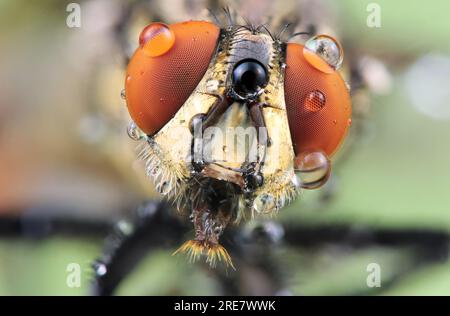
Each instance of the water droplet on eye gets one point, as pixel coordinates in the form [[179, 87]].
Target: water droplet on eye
[[312, 168], [323, 53], [264, 203], [100, 268], [134, 132], [315, 101], [163, 187], [156, 39], [123, 94]]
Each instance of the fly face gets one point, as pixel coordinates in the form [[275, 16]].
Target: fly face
[[233, 121]]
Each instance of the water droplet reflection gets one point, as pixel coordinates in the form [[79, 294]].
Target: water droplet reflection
[[315, 101], [264, 203], [324, 53], [156, 39], [100, 268], [313, 169], [134, 132], [163, 188]]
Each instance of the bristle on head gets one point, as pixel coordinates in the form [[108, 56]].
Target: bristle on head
[[214, 252]]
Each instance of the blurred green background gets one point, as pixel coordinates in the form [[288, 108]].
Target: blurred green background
[[63, 143]]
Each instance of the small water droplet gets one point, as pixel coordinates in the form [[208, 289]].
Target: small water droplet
[[123, 94], [315, 101], [194, 39], [100, 268], [155, 171], [264, 203], [163, 188], [335, 122], [324, 53], [134, 132], [313, 168], [349, 122], [162, 100], [128, 79]]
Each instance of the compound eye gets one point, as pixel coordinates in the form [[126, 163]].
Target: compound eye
[[166, 68], [317, 98], [248, 76]]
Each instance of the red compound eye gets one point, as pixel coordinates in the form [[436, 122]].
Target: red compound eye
[[165, 70], [317, 101]]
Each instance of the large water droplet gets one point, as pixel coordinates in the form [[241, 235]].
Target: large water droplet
[[324, 53], [264, 203], [134, 132], [315, 101], [156, 39], [313, 168]]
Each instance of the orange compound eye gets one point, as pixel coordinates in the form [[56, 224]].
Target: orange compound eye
[[165, 70], [317, 102]]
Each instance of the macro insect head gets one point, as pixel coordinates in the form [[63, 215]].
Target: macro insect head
[[233, 121]]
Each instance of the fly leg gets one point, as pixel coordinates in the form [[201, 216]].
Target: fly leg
[[253, 177], [200, 123]]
